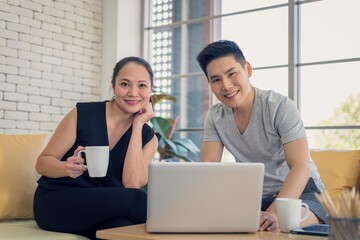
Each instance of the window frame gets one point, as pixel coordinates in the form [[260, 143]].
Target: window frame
[[294, 46]]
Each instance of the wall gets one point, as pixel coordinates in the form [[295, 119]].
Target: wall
[[50, 58], [56, 53], [121, 36]]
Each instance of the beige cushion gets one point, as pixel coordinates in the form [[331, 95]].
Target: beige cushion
[[339, 170], [28, 230], [18, 155]]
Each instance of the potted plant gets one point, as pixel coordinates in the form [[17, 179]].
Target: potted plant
[[170, 147]]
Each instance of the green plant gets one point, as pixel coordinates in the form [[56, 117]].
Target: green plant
[[170, 147], [347, 113]]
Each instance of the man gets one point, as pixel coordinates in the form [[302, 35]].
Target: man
[[258, 126]]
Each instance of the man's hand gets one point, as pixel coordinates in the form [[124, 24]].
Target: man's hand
[[268, 221]]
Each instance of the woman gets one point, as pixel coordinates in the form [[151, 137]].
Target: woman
[[67, 198]]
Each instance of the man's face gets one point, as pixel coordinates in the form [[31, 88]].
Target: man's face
[[229, 81]]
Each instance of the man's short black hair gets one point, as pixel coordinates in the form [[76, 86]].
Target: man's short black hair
[[219, 49]]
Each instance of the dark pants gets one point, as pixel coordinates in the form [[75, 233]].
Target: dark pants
[[307, 197], [83, 211]]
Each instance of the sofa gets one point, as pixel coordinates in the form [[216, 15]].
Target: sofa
[[18, 153], [339, 170]]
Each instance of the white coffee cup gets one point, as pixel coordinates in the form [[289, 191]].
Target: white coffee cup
[[289, 211], [97, 160]]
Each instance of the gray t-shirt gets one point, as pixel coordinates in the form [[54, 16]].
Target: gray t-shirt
[[274, 122]]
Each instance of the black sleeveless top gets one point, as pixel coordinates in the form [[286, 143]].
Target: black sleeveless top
[[92, 131]]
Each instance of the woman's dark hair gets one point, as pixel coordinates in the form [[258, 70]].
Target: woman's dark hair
[[219, 49], [120, 64]]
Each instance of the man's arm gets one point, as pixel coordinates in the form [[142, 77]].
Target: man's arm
[[211, 151], [297, 157]]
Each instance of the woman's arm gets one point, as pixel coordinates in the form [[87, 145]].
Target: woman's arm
[[137, 159], [49, 161]]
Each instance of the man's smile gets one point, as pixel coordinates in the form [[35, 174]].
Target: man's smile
[[230, 95]]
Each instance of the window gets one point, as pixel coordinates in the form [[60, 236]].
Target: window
[[174, 41], [330, 55], [306, 50]]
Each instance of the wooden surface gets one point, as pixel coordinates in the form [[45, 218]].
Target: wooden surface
[[137, 232]]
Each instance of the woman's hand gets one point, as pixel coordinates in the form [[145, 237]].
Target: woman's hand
[[268, 221], [144, 115], [74, 165]]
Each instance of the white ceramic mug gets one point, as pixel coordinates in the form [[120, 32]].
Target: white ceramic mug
[[289, 211], [97, 160]]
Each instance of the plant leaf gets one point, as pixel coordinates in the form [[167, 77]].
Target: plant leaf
[[187, 143], [172, 146], [159, 97], [184, 157], [162, 126], [168, 149]]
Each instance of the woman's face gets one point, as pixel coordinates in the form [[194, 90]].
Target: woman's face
[[132, 88]]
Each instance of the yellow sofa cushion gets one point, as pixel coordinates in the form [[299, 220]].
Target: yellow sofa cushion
[[339, 170], [18, 155]]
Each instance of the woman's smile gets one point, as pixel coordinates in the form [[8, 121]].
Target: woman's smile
[[132, 101]]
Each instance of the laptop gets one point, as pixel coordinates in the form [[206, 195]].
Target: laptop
[[201, 197]]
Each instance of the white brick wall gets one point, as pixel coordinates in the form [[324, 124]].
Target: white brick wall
[[50, 58]]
